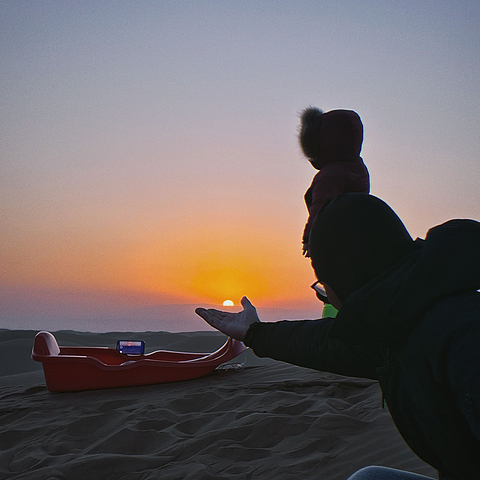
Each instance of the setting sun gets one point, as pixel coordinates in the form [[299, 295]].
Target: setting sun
[[228, 303]]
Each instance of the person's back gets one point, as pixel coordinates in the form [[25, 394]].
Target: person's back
[[416, 303], [432, 379], [332, 142]]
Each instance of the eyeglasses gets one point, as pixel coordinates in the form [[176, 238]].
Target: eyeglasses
[[320, 291]]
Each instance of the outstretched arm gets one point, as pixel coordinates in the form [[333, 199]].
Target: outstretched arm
[[234, 325], [299, 342], [306, 343]]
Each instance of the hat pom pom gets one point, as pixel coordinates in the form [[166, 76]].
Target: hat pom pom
[[310, 121]]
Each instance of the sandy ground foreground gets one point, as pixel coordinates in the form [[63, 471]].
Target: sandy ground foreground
[[269, 421]]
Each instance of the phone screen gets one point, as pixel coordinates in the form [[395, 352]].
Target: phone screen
[[131, 347]]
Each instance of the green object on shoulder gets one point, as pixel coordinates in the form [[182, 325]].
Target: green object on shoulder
[[329, 311]]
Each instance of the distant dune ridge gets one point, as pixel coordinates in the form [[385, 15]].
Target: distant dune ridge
[[98, 311], [270, 420]]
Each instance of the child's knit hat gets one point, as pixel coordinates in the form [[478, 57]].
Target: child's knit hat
[[341, 131]]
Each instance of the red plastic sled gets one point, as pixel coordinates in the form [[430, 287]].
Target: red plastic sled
[[69, 369]]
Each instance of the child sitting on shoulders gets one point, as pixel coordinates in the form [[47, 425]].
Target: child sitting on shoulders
[[332, 142]]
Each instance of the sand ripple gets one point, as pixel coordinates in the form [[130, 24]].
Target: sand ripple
[[271, 421]]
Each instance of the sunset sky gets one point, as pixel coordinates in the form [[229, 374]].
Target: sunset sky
[[149, 152]]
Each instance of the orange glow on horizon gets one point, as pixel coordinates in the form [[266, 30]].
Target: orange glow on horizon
[[202, 262], [215, 279], [229, 262]]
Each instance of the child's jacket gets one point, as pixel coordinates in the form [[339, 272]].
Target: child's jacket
[[332, 180]]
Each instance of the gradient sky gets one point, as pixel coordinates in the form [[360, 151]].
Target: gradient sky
[[149, 148]]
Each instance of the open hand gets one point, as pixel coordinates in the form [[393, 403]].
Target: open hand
[[234, 325]]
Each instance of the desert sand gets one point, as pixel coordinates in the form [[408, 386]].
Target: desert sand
[[268, 421]]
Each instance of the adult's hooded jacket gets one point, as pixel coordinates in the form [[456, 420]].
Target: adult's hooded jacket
[[415, 329]]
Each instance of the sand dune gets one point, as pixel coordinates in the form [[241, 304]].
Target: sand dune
[[270, 420]]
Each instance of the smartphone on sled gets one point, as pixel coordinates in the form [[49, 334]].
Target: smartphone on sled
[[131, 347]]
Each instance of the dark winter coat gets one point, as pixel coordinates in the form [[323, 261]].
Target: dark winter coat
[[415, 329]]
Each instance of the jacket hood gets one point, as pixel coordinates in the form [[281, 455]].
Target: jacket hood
[[385, 310], [329, 137]]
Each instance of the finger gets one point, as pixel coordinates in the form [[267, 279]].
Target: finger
[[210, 318], [201, 312], [246, 302], [217, 314], [211, 311]]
